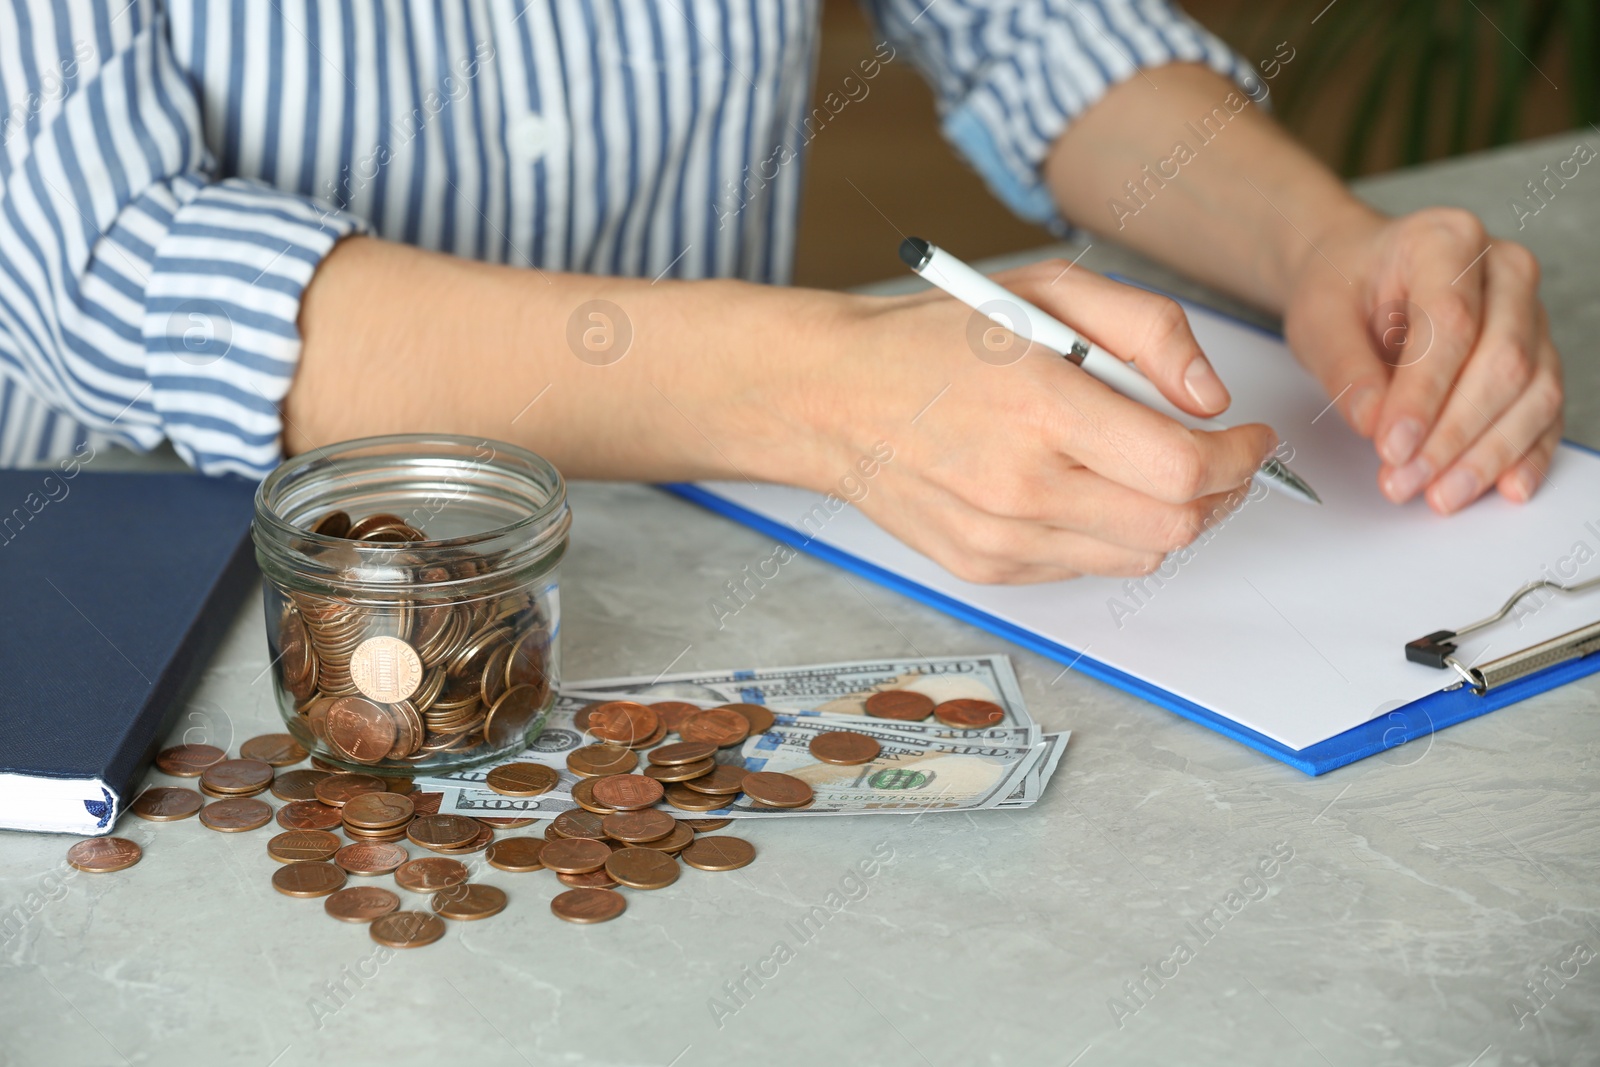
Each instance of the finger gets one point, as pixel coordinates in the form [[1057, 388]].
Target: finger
[[1522, 480], [1331, 338], [1130, 444], [1146, 329], [1443, 276], [1498, 369], [1529, 419]]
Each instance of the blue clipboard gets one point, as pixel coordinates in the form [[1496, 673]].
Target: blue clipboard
[[1420, 718]]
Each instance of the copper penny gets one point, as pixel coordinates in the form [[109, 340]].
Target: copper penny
[[719, 853], [370, 858], [588, 880], [636, 827], [902, 704], [686, 799], [681, 753], [582, 824], [430, 874], [297, 785], [361, 904], [308, 879], [527, 657], [845, 747], [705, 826], [718, 727], [592, 761], [682, 772], [385, 669], [377, 811], [299, 846], [725, 779], [777, 790], [673, 713], [236, 814], [308, 815], [627, 792], [759, 718], [407, 929], [277, 750], [650, 742], [516, 854], [968, 714], [339, 789], [333, 524], [679, 839], [444, 831], [480, 841], [237, 777], [523, 779], [588, 905], [466, 903], [581, 718], [187, 761], [574, 855], [499, 823], [643, 868], [166, 803], [512, 714], [583, 795], [427, 803], [102, 855], [360, 730], [623, 722]]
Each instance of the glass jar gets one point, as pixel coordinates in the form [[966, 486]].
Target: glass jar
[[413, 615]]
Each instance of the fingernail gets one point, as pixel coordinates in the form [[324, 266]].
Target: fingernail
[[1456, 490], [1522, 484], [1401, 442], [1204, 385], [1403, 483], [1361, 407]]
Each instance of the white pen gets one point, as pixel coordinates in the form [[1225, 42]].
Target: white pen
[[986, 296]]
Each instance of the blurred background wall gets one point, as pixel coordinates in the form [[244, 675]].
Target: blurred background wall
[[1374, 84]]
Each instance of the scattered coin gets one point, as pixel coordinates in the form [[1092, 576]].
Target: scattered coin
[[759, 718], [504, 824], [445, 831], [681, 753], [407, 929], [777, 790], [480, 841], [623, 722], [339, 789], [370, 858], [718, 727], [166, 803], [583, 795], [308, 879], [385, 669], [308, 815], [968, 714], [597, 879], [636, 827], [673, 713], [522, 779], [187, 761], [102, 855], [724, 780], [580, 824], [236, 814], [466, 903], [588, 905], [430, 874], [574, 855], [903, 704], [681, 772], [683, 798], [376, 811], [276, 750], [705, 826], [361, 904], [627, 792], [845, 747], [427, 803], [592, 761], [642, 868], [297, 785], [680, 838], [237, 777], [719, 853], [299, 846], [516, 854]]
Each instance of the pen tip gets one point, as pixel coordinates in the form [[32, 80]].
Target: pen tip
[[914, 252]]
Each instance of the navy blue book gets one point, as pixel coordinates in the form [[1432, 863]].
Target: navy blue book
[[115, 589]]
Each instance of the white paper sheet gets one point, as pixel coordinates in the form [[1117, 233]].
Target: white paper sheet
[[1291, 620]]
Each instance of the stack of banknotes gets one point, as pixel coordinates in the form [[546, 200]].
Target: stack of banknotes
[[923, 766]]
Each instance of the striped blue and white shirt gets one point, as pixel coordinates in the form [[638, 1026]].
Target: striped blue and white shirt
[[174, 170]]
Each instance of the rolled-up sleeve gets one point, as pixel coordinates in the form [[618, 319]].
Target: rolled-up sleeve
[[141, 299], [1010, 75]]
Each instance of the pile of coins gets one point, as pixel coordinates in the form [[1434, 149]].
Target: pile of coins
[[616, 841], [411, 681], [907, 705]]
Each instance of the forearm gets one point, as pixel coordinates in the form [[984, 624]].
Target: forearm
[[1239, 205], [400, 340]]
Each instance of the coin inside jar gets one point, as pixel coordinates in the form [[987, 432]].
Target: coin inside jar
[[361, 904], [845, 747], [903, 704], [385, 669], [588, 905], [360, 730], [522, 779], [163, 803], [104, 855], [430, 874]]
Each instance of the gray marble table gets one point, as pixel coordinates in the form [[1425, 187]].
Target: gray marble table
[[1392, 912]]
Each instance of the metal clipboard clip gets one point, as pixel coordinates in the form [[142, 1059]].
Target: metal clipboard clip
[[1438, 648]]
